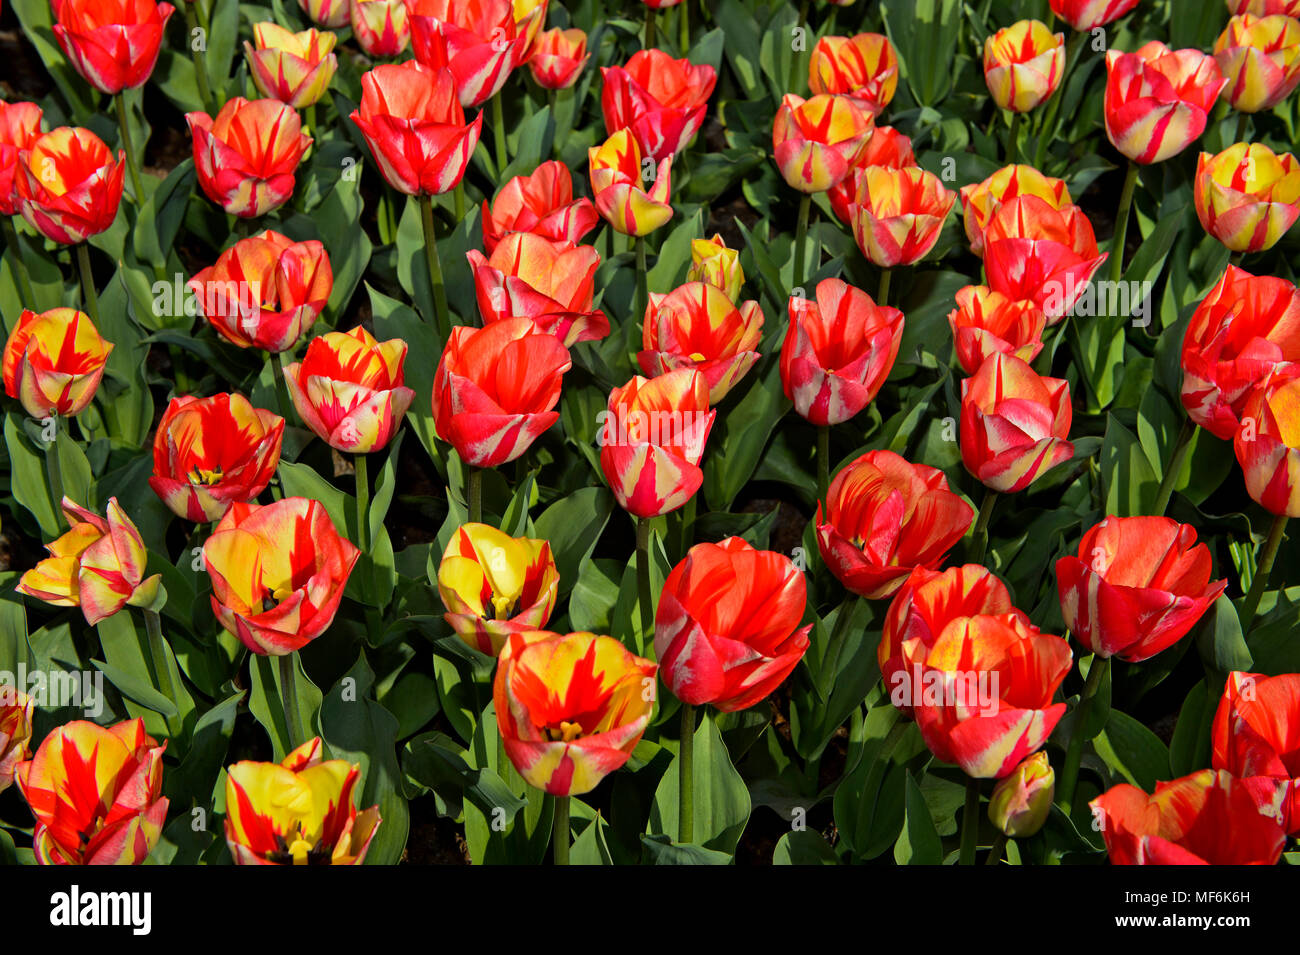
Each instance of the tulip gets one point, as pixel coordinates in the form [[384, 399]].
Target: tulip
[[549, 283], [838, 352], [113, 44], [541, 203], [53, 362], [1014, 424], [922, 607], [864, 67], [885, 517], [246, 158], [987, 323], [817, 141], [659, 100], [1268, 445], [210, 452], [1245, 328], [570, 708], [415, 127], [1137, 586], [1247, 196], [886, 147], [1207, 818], [478, 40], [898, 213], [558, 57], [294, 68], [330, 14], [980, 200], [1158, 99], [713, 263], [278, 573], [494, 585], [652, 439], [20, 126], [985, 699], [1256, 738], [1261, 8], [381, 27], [16, 710], [1087, 15], [348, 389], [697, 326], [616, 182], [297, 812], [96, 793], [1021, 802], [529, 17], [1023, 64], [1260, 56], [69, 185], [495, 389]]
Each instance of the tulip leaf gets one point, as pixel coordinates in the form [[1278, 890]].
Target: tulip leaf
[[265, 696], [804, 847], [592, 846], [919, 843], [1129, 483], [573, 524], [1133, 751], [28, 482], [721, 799], [1189, 750], [128, 655], [1220, 641], [737, 439], [392, 319], [662, 851]]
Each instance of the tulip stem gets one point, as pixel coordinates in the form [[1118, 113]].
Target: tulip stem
[[499, 134], [648, 35], [54, 468], [686, 778], [281, 388], [199, 53], [823, 462], [998, 851], [1013, 152], [882, 293], [1174, 466], [970, 822], [801, 240], [158, 658], [23, 280], [363, 501], [643, 577], [684, 27], [982, 523], [1262, 570], [1074, 752], [560, 833], [474, 494], [1121, 222], [132, 161], [642, 281], [1242, 120], [289, 699], [796, 60], [442, 320], [88, 294], [311, 119]]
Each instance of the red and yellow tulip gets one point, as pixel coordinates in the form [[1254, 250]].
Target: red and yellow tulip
[[617, 183], [698, 326], [478, 40], [541, 203], [246, 158], [1260, 57], [1248, 196], [886, 147], [20, 125], [1263, 8], [1087, 15], [295, 68], [16, 710], [714, 263], [1023, 64], [330, 14], [980, 200], [54, 361], [1022, 801], [864, 67], [817, 141], [558, 57], [1158, 100], [113, 44], [659, 100], [1256, 738], [987, 323], [381, 27], [1268, 444], [898, 213], [69, 185]]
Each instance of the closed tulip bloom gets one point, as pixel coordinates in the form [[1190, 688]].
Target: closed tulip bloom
[[727, 631], [96, 793], [864, 67], [884, 518], [330, 14], [987, 323], [1256, 737], [570, 708], [530, 17], [1247, 196], [660, 100], [381, 27], [247, 157], [1015, 424], [494, 585], [1021, 802], [980, 200], [349, 389], [898, 213], [297, 812], [816, 141], [265, 291], [1137, 586], [660, 4], [69, 185], [558, 57], [618, 186], [496, 388], [838, 352], [1207, 818], [713, 263], [886, 147], [1023, 64], [113, 44], [541, 203], [922, 608], [1247, 327], [295, 68], [54, 361], [415, 127], [478, 40], [1268, 444], [20, 125], [278, 573], [1158, 99], [1260, 56], [697, 326], [1262, 8], [1086, 15], [16, 710], [652, 438], [210, 452]]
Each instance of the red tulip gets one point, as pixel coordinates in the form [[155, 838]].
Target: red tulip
[[697, 326], [1256, 738], [478, 40], [54, 362], [69, 185], [541, 203], [864, 67], [113, 44], [898, 214], [1158, 100], [886, 147], [980, 200], [659, 99], [1087, 15], [987, 323], [20, 125], [1268, 444], [16, 711], [247, 157], [558, 58]]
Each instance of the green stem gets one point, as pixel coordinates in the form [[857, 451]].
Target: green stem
[[132, 161], [1013, 153], [363, 502], [686, 778], [801, 239], [1174, 466], [281, 389], [89, 297], [648, 35], [200, 55], [1243, 119], [998, 851], [1262, 570], [20, 267], [158, 658], [970, 822], [560, 833], [882, 293], [54, 468], [1074, 752], [982, 522], [643, 577], [642, 281], [1121, 222], [823, 461], [289, 699], [684, 26], [499, 134], [474, 494], [796, 61], [442, 320], [311, 118]]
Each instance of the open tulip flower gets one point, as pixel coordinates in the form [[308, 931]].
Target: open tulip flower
[[278, 573], [295, 68], [211, 452], [1268, 445], [980, 200], [265, 291], [713, 263], [658, 99], [864, 67], [381, 27], [1023, 64], [570, 708], [987, 323], [838, 352], [618, 186], [1158, 100], [558, 58], [1260, 57], [20, 125], [1087, 15], [69, 185], [330, 14], [1256, 738], [16, 709], [494, 585], [697, 326], [541, 203], [298, 811], [1138, 585], [886, 147], [551, 283], [1247, 196], [898, 213], [246, 158], [1207, 818], [96, 793], [478, 40], [885, 517], [349, 389], [113, 44], [817, 141], [54, 361]]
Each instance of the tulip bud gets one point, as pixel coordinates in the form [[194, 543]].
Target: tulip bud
[[617, 177], [713, 263], [69, 185], [294, 68], [114, 46], [1021, 802], [864, 67], [1158, 100], [54, 361], [1247, 196], [1260, 57], [659, 100], [817, 141], [1023, 65], [698, 326], [20, 125], [246, 158], [558, 57], [330, 14]]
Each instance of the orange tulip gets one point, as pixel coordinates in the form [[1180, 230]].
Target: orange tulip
[[659, 100], [1247, 196], [54, 361], [1268, 444], [697, 326], [1260, 57], [817, 141], [69, 185], [898, 213], [886, 147], [980, 200], [987, 323], [295, 68], [1023, 64], [864, 67], [113, 44], [247, 157], [20, 125], [1256, 737], [558, 57], [617, 177], [1158, 100], [16, 710], [541, 203]]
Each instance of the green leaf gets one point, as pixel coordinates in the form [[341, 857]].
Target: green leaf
[[804, 847], [1133, 751], [919, 843], [264, 701], [721, 799]]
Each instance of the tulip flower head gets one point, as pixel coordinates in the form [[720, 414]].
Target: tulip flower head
[[697, 326], [898, 213], [1247, 196], [1256, 738], [1087, 15], [113, 44], [980, 201], [69, 185], [294, 68], [659, 100], [16, 710], [864, 67], [20, 125], [1260, 57], [618, 175], [54, 361], [330, 14], [558, 58], [1263, 8], [246, 158], [381, 27], [1268, 444], [541, 203], [886, 147], [713, 263], [478, 40], [1158, 100], [1021, 802], [987, 323], [1023, 64], [817, 141]]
